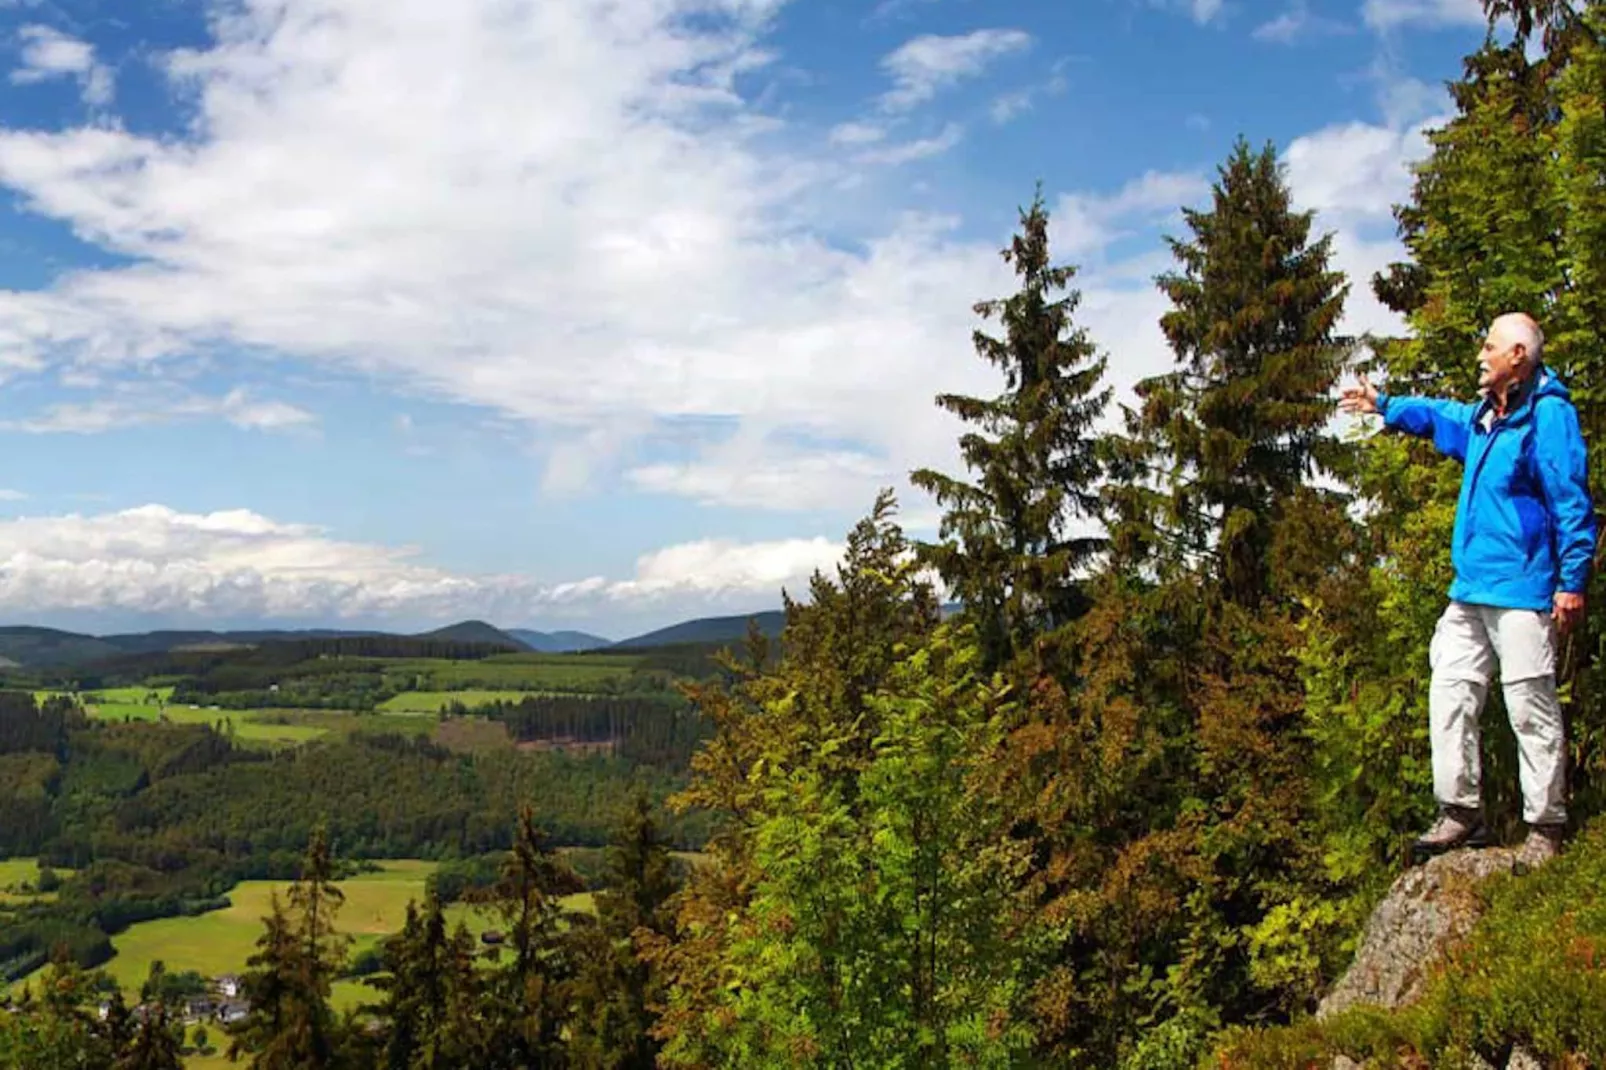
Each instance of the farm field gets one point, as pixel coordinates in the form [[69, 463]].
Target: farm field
[[430, 702], [219, 942], [518, 672], [17, 872], [268, 728]]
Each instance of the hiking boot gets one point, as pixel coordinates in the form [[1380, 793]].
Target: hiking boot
[[1456, 827], [1543, 844]]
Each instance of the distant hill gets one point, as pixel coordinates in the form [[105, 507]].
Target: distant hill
[[558, 642], [709, 630], [157, 642], [27, 645], [476, 631]]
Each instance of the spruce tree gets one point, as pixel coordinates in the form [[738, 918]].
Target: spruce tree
[[1222, 448], [288, 983], [1010, 546], [1164, 786], [618, 987], [527, 1004]]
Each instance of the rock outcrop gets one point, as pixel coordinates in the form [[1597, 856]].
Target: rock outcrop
[[1427, 910]]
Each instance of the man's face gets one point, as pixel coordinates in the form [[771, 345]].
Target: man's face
[[1500, 363]]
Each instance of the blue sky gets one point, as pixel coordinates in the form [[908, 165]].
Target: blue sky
[[395, 312]]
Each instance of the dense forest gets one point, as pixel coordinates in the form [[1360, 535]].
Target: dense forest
[[1128, 809]]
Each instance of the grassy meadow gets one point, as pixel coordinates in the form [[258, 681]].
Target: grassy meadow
[[520, 672], [19, 873], [264, 728], [430, 702], [219, 942]]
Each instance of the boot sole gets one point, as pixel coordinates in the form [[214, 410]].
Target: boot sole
[[1423, 852]]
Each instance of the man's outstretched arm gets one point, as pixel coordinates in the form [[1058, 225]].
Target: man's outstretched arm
[[1448, 423]]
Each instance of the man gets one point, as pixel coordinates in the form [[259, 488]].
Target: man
[[1523, 543]]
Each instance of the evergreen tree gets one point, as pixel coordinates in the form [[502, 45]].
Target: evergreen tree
[[618, 987], [1009, 550], [290, 1023], [527, 1002], [1164, 784], [157, 1042], [432, 993], [1220, 454]]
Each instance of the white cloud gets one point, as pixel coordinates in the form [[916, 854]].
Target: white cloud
[[1392, 14], [237, 564], [142, 408], [918, 149], [8, 495], [48, 53], [857, 133], [1008, 105], [1354, 172], [1201, 11], [1083, 225], [1296, 24], [921, 67], [748, 474], [367, 188]]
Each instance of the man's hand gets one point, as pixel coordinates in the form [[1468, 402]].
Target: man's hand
[[1569, 610], [1359, 400]]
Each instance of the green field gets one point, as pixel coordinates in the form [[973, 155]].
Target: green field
[[219, 942], [430, 702], [267, 728], [17, 873], [518, 672]]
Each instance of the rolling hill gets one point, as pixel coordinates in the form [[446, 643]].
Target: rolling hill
[[709, 630], [476, 631], [28, 645], [558, 642]]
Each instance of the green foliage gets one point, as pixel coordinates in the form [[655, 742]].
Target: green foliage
[[1006, 553], [1530, 972], [861, 906], [290, 1025]]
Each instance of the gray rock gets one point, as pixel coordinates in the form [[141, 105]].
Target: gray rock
[[1428, 908], [1523, 1059]]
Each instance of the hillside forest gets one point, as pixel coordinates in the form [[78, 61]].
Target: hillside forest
[[1129, 808]]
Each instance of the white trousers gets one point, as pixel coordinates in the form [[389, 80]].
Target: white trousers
[[1467, 645]]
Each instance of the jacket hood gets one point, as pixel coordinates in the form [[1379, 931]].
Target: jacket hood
[[1550, 386]]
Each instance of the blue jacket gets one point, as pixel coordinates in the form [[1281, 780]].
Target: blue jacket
[[1525, 525]]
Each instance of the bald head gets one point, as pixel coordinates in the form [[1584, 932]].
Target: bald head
[[1510, 355], [1519, 328]]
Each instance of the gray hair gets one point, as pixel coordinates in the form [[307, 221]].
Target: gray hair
[[1519, 328]]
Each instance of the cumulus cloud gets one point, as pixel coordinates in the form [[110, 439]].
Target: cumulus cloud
[[238, 564], [48, 53], [367, 187], [921, 67]]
